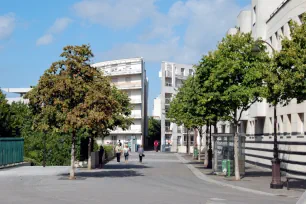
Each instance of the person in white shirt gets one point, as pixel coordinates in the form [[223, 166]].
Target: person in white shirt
[[126, 151], [118, 151]]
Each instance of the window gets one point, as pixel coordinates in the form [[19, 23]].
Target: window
[[282, 30], [222, 128], [301, 18], [114, 80], [301, 123], [191, 72], [271, 125], [289, 123], [179, 140], [127, 79], [271, 41], [182, 71]]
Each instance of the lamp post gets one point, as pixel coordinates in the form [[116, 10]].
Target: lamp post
[[276, 182]]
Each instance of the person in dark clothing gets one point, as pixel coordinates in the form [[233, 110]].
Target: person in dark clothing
[[101, 152]]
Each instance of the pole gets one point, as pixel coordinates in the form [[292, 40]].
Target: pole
[[209, 166], [276, 174]]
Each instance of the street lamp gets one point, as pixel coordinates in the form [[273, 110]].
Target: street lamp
[[276, 173]]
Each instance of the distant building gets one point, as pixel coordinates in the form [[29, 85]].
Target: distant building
[[156, 114], [173, 137], [20, 91], [129, 75]]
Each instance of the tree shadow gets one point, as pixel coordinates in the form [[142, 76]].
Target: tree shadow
[[258, 174], [103, 174], [125, 166], [296, 184]]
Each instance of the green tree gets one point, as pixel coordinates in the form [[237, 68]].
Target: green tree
[[154, 129], [72, 95], [4, 116], [237, 79], [183, 108]]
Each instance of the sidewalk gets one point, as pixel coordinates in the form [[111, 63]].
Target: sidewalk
[[255, 178]]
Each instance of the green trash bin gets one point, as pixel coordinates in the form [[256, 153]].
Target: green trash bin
[[195, 153], [224, 167], [230, 167]]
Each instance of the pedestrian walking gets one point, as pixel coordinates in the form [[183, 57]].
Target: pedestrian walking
[[156, 146], [141, 153], [101, 152], [126, 150], [118, 151]]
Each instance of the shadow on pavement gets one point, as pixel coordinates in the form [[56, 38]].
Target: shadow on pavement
[[110, 174], [125, 166], [258, 174]]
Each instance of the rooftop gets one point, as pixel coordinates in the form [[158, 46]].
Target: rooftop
[[119, 61]]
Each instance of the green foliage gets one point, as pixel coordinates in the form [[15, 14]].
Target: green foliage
[[236, 79], [108, 151], [4, 116], [287, 77], [154, 129]]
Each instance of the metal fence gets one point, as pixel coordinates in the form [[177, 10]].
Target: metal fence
[[11, 150]]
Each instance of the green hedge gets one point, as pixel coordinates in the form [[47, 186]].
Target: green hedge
[[109, 151]]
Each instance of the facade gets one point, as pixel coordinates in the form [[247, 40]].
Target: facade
[[20, 91], [268, 20], [129, 75], [156, 114], [173, 137]]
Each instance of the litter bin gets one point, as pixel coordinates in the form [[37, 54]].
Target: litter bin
[[227, 167], [195, 153]]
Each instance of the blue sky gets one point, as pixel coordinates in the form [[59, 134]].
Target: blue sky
[[32, 34]]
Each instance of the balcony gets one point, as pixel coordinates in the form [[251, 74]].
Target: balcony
[[121, 71], [136, 116], [179, 130], [167, 101], [181, 75], [129, 85], [129, 131], [168, 130], [258, 109], [168, 74], [168, 84], [135, 101]]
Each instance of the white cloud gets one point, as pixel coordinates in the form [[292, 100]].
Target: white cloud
[[115, 14], [202, 24], [58, 26], [7, 25], [45, 40]]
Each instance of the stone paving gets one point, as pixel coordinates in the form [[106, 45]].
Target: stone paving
[[161, 179], [256, 178]]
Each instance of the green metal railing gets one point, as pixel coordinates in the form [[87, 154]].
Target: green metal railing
[[11, 151]]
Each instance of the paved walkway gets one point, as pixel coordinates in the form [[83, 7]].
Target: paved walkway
[[256, 178], [161, 179]]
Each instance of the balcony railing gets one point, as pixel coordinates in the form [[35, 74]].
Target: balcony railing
[[167, 129], [135, 101], [179, 130], [128, 85], [119, 130], [135, 115]]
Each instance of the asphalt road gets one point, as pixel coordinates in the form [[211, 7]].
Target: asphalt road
[[162, 178]]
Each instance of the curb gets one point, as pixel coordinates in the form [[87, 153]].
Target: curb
[[203, 177]]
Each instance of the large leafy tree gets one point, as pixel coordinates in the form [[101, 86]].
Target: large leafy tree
[[72, 95], [237, 79], [4, 116], [209, 103], [183, 109]]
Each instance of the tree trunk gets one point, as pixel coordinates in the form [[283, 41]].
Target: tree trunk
[[206, 146], [195, 142], [236, 150], [72, 169], [210, 149], [89, 154], [188, 142], [200, 144]]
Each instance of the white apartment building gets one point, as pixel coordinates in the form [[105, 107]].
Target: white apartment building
[[268, 20], [20, 91], [173, 137], [129, 75], [156, 113]]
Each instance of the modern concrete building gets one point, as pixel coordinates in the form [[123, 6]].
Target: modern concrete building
[[156, 113], [20, 91], [129, 75], [269, 20], [173, 137]]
